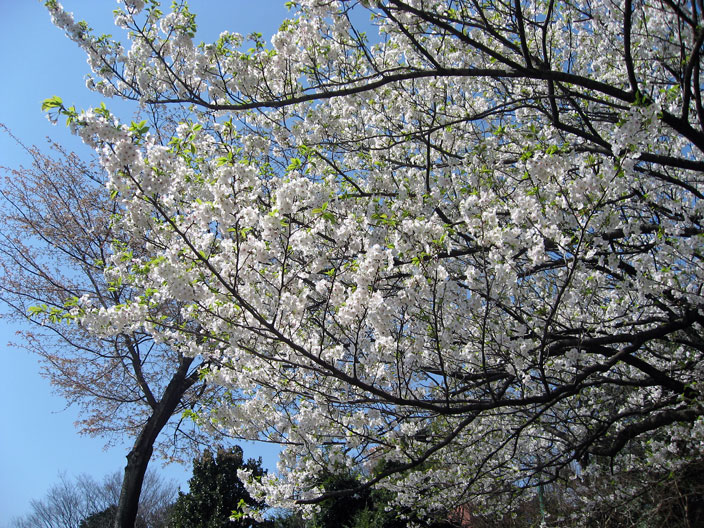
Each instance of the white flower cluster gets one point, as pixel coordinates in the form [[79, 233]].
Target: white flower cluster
[[413, 254]]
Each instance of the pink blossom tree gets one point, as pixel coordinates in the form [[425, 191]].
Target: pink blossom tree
[[57, 236]]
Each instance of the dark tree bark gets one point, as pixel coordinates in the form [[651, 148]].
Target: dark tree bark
[[140, 455]]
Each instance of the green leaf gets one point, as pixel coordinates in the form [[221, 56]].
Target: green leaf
[[295, 164], [52, 102], [70, 302], [140, 128], [36, 310]]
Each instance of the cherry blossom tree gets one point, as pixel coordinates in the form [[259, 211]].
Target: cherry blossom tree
[[57, 236], [458, 246]]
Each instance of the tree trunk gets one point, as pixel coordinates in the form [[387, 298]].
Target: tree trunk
[[141, 452], [137, 462]]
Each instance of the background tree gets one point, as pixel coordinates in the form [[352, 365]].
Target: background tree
[[216, 492], [83, 502], [468, 247], [57, 237]]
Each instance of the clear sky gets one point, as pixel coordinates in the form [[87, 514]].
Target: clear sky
[[37, 437]]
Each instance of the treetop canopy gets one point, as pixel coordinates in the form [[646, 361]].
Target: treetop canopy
[[458, 247]]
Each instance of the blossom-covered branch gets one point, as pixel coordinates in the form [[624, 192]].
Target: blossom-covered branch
[[462, 251]]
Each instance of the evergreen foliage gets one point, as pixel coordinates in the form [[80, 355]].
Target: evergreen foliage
[[216, 492]]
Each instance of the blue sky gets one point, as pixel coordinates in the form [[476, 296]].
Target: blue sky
[[37, 437]]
